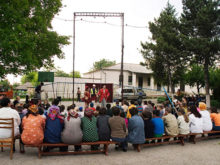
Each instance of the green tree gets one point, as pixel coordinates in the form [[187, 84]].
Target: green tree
[[61, 73], [4, 85], [30, 77], [27, 41], [195, 76], [214, 82], [164, 53], [200, 34], [98, 65], [76, 74]]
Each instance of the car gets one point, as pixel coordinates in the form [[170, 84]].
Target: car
[[130, 93]]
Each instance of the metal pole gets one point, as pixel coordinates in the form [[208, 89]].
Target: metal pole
[[73, 53], [122, 55]]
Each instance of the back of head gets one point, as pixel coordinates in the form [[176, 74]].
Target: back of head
[[5, 102], [202, 106], [117, 102], [193, 110], [55, 102], [133, 111], [168, 109], [156, 113], [91, 105], [108, 106], [70, 107], [182, 112], [102, 111], [115, 111], [98, 108], [132, 101], [62, 108], [145, 102], [214, 110], [135, 103], [146, 115]]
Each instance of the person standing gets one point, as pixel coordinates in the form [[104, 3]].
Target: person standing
[[93, 93], [103, 94], [38, 91], [86, 96], [78, 94]]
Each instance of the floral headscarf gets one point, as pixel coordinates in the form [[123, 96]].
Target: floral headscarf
[[73, 114], [54, 112], [88, 113], [33, 108]]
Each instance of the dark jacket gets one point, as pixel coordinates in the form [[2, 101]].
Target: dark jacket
[[148, 129], [103, 128], [53, 129]]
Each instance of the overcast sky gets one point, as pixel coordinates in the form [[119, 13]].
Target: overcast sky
[[95, 41]]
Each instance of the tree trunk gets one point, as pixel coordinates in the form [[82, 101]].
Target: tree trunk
[[182, 86], [206, 76], [198, 88]]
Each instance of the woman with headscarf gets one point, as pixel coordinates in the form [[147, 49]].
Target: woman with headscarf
[[148, 124], [89, 128], [207, 122], [72, 133], [33, 127], [54, 125]]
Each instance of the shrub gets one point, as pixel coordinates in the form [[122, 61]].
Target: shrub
[[215, 103], [161, 99]]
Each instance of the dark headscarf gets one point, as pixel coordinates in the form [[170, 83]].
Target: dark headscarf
[[146, 115]]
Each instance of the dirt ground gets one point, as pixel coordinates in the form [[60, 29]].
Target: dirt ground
[[205, 152]]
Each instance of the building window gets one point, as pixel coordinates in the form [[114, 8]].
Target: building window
[[148, 81], [129, 80]]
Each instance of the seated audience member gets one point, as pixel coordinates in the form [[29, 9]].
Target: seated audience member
[[170, 122], [135, 128], [148, 124], [46, 105], [41, 112], [104, 131], [89, 128], [25, 109], [195, 120], [207, 122], [16, 101], [33, 127], [215, 116], [145, 105], [109, 110], [54, 124], [125, 106], [158, 124], [123, 115], [7, 112], [139, 107], [118, 105], [131, 106], [62, 111], [80, 112], [118, 129], [161, 109], [183, 122], [91, 106], [72, 133]]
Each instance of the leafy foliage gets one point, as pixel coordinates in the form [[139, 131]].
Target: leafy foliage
[[164, 53], [98, 65], [27, 40]]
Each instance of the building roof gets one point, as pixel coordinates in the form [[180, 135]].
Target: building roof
[[135, 68], [25, 86]]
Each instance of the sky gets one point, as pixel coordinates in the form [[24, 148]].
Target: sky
[[95, 41]]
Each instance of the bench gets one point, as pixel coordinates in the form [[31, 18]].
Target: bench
[[204, 135], [41, 152], [164, 140]]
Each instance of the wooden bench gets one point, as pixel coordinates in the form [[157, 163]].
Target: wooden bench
[[41, 152], [205, 135], [164, 140]]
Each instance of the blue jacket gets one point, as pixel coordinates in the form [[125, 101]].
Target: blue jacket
[[158, 126], [136, 130], [53, 129]]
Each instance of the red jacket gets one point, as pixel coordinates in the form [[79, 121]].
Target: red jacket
[[103, 94]]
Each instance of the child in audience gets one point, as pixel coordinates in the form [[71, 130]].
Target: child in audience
[[118, 129], [183, 122], [104, 131], [215, 116], [109, 110], [91, 106], [80, 112], [170, 122], [139, 107], [207, 122], [158, 124], [195, 120]]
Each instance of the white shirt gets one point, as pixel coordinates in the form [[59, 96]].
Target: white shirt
[[183, 125], [207, 122], [7, 112], [195, 124]]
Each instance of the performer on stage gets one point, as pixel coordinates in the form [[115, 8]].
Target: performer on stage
[[38, 91], [87, 96], [93, 93], [103, 94]]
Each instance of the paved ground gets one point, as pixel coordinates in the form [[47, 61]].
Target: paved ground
[[203, 153]]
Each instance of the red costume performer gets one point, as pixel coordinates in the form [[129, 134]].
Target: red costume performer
[[103, 94]]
